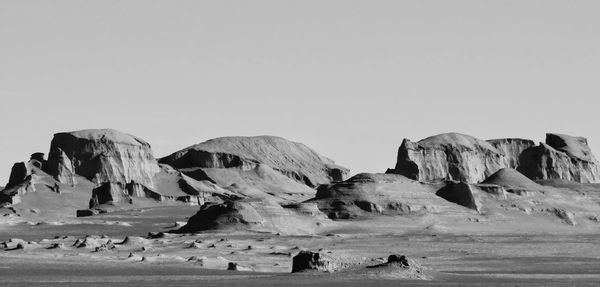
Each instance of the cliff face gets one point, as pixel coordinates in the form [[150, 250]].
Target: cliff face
[[102, 156], [448, 157], [561, 157], [294, 160], [512, 149], [464, 158]]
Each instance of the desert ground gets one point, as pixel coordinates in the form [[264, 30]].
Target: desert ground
[[73, 254]]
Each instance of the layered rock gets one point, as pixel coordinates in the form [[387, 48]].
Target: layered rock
[[255, 215], [119, 164], [294, 160], [314, 261], [367, 194], [561, 157], [464, 158], [512, 149], [101, 156], [449, 156]]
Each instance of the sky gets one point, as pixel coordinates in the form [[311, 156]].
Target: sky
[[350, 79]]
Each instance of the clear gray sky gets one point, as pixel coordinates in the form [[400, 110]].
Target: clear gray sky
[[350, 79]]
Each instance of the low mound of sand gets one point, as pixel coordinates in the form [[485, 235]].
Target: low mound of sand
[[511, 179]]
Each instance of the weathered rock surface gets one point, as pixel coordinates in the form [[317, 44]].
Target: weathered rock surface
[[294, 160], [460, 193], [107, 165], [315, 261], [561, 157], [368, 194], [512, 149], [449, 156], [252, 214], [464, 158], [102, 156]]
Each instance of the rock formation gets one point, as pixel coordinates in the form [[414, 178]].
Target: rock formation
[[102, 156], [315, 261], [464, 158], [256, 215], [561, 157], [450, 156], [368, 194], [294, 160], [512, 149], [460, 193]]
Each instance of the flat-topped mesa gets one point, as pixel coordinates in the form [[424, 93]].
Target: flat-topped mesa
[[292, 159], [101, 156], [561, 157], [450, 156]]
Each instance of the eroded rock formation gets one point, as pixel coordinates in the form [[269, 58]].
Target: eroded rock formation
[[102, 156], [464, 158], [294, 160], [561, 157], [449, 156]]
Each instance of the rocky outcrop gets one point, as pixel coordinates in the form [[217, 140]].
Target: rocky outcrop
[[449, 156], [512, 181], [464, 158], [315, 261], [512, 149], [561, 157], [119, 164], [366, 194], [255, 215], [101, 156], [294, 160], [460, 193]]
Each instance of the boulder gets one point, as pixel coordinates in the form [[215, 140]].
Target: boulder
[[233, 266], [398, 259], [449, 156], [315, 261], [292, 159]]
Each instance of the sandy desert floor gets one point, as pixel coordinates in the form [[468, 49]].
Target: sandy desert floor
[[96, 252]]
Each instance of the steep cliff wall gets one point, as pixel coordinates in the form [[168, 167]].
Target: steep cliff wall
[[512, 149], [464, 158], [449, 156], [102, 156], [561, 157]]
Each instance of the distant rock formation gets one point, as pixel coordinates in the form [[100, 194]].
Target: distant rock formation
[[449, 156], [294, 160], [561, 157], [102, 156], [368, 194], [464, 158]]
